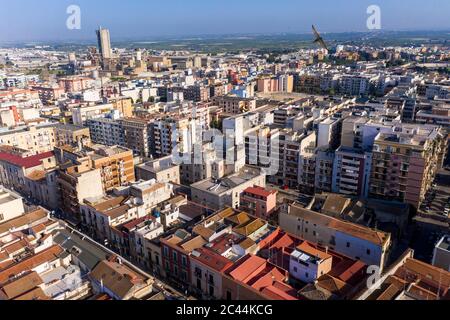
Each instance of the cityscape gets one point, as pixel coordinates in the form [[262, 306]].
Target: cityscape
[[260, 167]]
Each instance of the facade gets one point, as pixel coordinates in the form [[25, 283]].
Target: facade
[[162, 170], [76, 183], [259, 202], [137, 136], [405, 164], [207, 267], [176, 251], [81, 114], [11, 205], [106, 131], [235, 105], [352, 240], [104, 43], [66, 134], [351, 172], [226, 192], [116, 165]]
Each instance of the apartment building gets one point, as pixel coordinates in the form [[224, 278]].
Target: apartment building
[[162, 170], [438, 115], [235, 105], [207, 267], [307, 83], [29, 174], [324, 170], [352, 240], [290, 147], [307, 163], [66, 134], [81, 114], [116, 165], [351, 172], [226, 192], [43, 138], [354, 85], [203, 164], [176, 250], [107, 131], [11, 205], [124, 105], [259, 201], [137, 135], [76, 183], [169, 134], [100, 214], [317, 273], [329, 133], [405, 163], [75, 84], [36, 139]]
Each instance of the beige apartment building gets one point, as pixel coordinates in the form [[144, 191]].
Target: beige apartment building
[[226, 192], [136, 135], [66, 134], [31, 175], [116, 165], [11, 205], [162, 170], [43, 138], [235, 105], [405, 164], [355, 241], [83, 113], [76, 183]]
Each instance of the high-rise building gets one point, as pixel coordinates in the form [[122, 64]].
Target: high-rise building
[[104, 43], [404, 164]]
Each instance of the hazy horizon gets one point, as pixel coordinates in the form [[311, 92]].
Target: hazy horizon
[[45, 20]]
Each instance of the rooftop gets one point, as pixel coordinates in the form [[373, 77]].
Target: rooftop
[[25, 162], [228, 183], [374, 236]]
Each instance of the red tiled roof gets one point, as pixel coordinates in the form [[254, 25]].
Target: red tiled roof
[[27, 162], [212, 259], [259, 191]]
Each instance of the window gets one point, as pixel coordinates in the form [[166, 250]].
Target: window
[[1, 217], [167, 266], [175, 271], [348, 244], [199, 284], [166, 252], [211, 291], [175, 256], [307, 274], [228, 295], [368, 252], [184, 261], [295, 269]]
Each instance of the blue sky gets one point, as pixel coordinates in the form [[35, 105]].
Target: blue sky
[[29, 20]]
